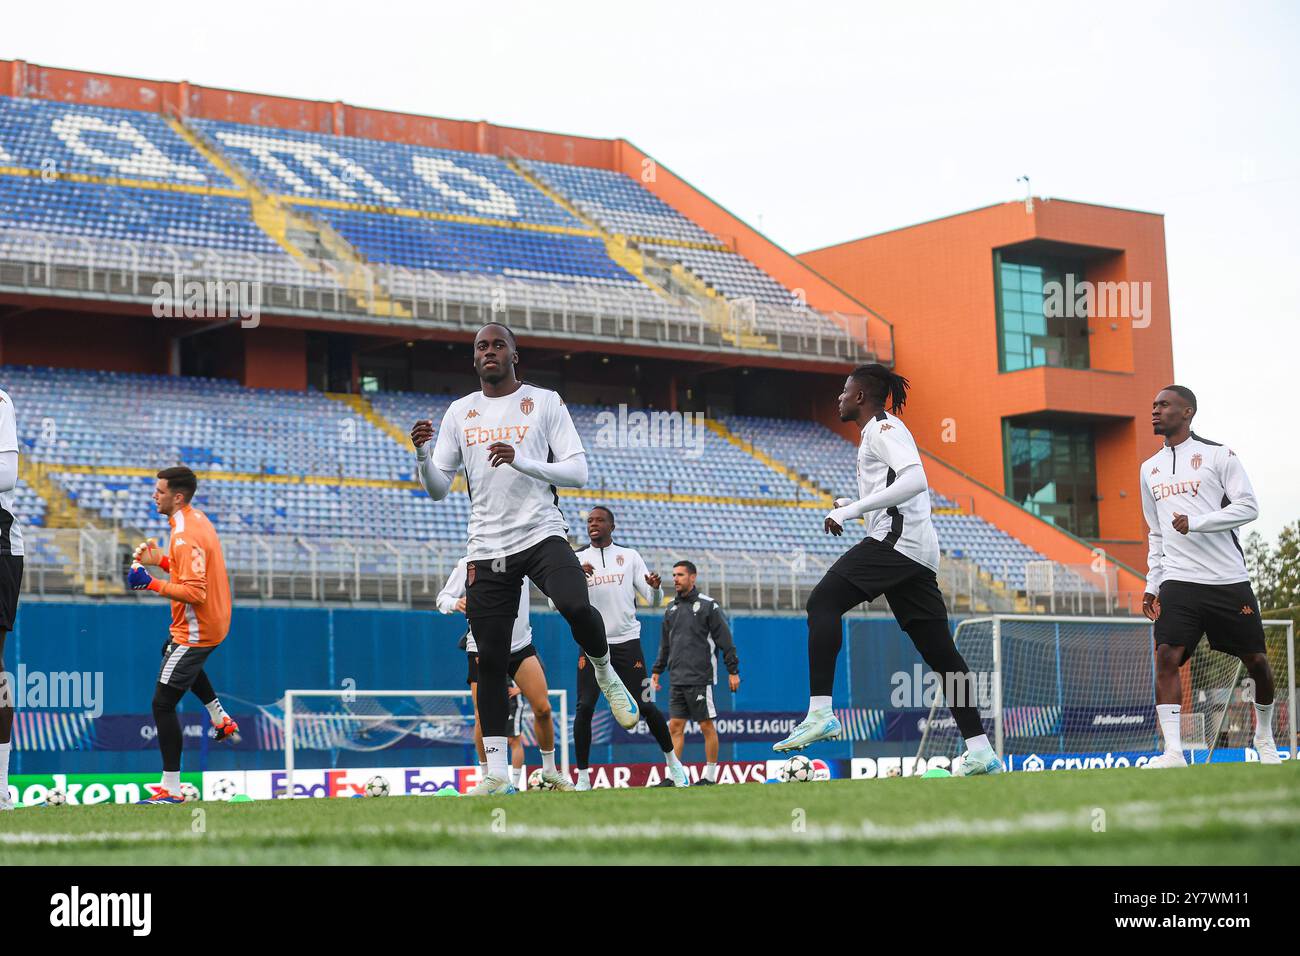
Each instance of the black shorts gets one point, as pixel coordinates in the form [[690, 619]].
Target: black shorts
[[492, 585], [910, 588], [691, 701], [629, 664], [182, 664], [515, 715], [1227, 614], [11, 581], [516, 658]]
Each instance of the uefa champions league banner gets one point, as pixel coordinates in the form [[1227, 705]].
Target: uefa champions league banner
[[871, 768], [429, 781]]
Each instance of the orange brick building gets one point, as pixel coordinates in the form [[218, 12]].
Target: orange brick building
[[1040, 396]]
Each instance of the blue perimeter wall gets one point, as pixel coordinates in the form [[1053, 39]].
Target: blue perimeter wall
[[272, 648]]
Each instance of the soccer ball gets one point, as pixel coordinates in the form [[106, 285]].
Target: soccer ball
[[537, 782], [224, 789], [376, 787], [893, 772], [797, 769], [190, 792], [56, 798]]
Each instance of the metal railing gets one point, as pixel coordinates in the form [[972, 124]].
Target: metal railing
[[314, 570], [125, 271]]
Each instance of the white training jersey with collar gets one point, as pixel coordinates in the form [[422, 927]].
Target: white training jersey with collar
[[11, 529], [509, 511], [619, 577], [1205, 481], [886, 448], [454, 590]]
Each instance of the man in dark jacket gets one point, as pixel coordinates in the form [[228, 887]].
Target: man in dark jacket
[[694, 630]]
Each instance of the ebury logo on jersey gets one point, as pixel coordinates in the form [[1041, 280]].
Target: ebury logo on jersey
[[596, 579], [1159, 490], [477, 435]]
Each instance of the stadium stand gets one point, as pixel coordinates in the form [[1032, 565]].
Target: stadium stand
[[305, 465], [361, 224]]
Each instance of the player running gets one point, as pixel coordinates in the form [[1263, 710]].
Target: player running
[[898, 558], [615, 576], [524, 668], [200, 595], [517, 444], [11, 578], [1195, 494]]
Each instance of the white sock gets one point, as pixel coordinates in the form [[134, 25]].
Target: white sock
[[818, 703], [601, 664], [498, 756], [4, 770], [1264, 723], [1171, 725], [584, 775], [548, 761], [216, 711], [171, 781], [482, 770], [670, 758], [711, 772], [517, 775], [976, 744]]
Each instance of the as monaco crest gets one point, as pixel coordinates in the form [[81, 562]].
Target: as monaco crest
[[469, 574], [1196, 460], [620, 560], [526, 405]]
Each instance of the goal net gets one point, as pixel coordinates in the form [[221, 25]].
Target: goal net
[[1087, 684], [408, 722]]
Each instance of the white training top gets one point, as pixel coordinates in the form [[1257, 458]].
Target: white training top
[[509, 511], [454, 590], [11, 529], [619, 577], [1205, 481], [887, 447]]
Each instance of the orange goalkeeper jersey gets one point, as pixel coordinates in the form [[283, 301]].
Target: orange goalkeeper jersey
[[198, 587]]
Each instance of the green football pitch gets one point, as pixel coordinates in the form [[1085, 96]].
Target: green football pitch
[[1220, 814]]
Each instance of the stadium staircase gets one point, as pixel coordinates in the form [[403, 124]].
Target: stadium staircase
[[816, 492], [671, 280], [64, 514], [367, 411], [308, 240]]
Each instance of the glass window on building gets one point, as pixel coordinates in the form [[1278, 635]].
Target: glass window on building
[[1052, 472], [1031, 332]]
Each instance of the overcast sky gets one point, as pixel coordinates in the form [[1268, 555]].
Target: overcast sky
[[824, 122]]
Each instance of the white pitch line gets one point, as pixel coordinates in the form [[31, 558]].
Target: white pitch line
[[1138, 815]]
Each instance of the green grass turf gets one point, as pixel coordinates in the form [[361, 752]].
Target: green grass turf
[[1220, 814]]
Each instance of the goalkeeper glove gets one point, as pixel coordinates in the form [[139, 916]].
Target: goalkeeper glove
[[142, 580]]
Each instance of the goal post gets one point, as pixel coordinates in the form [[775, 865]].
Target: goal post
[[1081, 684], [371, 720]]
